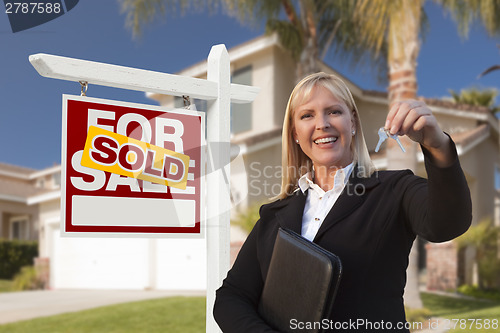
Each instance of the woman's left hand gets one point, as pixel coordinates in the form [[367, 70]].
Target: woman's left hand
[[414, 119]]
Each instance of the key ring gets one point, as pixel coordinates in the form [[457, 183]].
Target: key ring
[[383, 134], [187, 101], [85, 86]]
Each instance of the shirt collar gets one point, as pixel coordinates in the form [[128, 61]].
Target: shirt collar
[[341, 178]]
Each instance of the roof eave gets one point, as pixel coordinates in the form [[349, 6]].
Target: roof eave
[[40, 198]]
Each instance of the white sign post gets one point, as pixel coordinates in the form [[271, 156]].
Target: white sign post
[[219, 93]]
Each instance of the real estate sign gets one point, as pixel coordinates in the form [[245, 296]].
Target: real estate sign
[[131, 169]]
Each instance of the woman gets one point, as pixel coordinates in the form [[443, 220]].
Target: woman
[[332, 196]]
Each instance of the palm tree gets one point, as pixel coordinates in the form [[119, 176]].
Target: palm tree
[[398, 25], [308, 29], [478, 97]]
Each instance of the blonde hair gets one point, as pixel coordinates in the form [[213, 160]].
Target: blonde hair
[[293, 160]]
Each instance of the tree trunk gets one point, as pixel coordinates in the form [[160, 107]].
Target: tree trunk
[[403, 50], [308, 63]]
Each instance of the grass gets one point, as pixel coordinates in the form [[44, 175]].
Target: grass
[[469, 310], [6, 285], [187, 314], [172, 314]]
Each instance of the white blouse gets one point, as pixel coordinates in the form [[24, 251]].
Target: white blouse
[[319, 202]]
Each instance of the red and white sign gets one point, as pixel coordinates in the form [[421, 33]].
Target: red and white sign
[[98, 202]]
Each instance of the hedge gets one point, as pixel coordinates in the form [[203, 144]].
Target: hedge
[[15, 254]]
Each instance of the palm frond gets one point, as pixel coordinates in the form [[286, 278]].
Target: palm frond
[[476, 96], [467, 12], [253, 11], [288, 34], [142, 12], [382, 30], [489, 70], [340, 37]]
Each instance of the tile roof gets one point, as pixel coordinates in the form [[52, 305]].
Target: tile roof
[[465, 137], [16, 169], [456, 106]]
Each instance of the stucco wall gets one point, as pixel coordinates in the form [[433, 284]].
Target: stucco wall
[[50, 213], [481, 161], [372, 117], [284, 83], [264, 174], [453, 124]]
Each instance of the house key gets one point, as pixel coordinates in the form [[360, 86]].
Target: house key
[[383, 134]]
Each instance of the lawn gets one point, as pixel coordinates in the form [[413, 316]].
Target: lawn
[[468, 315], [173, 314], [187, 314], [5, 285]]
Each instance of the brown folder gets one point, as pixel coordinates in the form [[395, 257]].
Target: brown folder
[[300, 285]]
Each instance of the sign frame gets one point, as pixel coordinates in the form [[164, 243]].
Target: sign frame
[[219, 92], [201, 205]]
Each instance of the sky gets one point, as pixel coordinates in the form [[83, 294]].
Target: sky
[[31, 105]]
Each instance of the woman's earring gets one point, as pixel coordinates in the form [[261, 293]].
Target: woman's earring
[[353, 132], [297, 141]]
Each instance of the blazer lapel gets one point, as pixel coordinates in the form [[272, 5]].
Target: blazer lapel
[[352, 197], [290, 216]]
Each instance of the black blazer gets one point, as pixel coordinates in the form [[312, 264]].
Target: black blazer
[[371, 228]]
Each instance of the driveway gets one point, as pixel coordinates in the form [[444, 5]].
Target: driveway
[[16, 306]]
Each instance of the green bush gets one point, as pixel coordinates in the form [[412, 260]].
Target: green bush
[[27, 279], [14, 255], [484, 237], [417, 315], [247, 219], [475, 291]]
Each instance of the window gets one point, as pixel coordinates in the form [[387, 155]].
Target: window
[[19, 227], [241, 114], [56, 179], [497, 177], [40, 183]]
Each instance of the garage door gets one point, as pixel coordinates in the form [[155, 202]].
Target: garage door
[[127, 263]]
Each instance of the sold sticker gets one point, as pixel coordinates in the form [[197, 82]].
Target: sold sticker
[[108, 151]]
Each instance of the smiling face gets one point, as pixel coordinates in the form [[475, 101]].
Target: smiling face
[[323, 124]]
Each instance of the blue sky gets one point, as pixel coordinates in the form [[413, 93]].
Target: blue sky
[[30, 111]]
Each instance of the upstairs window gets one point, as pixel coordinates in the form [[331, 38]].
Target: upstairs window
[[497, 177], [56, 180], [241, 114]]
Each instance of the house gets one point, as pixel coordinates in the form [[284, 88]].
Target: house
[[21, 191], [256, 130], [133, 263]]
